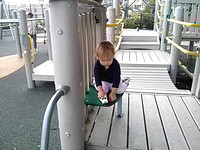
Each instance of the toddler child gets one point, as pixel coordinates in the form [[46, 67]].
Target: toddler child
[[107, 72]]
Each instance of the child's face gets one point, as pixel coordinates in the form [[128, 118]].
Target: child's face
[[106, 61]]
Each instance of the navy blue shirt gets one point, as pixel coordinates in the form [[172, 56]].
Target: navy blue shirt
[[111, 75]]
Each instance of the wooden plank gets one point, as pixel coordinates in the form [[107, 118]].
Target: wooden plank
[[186, 122], [146, 73], [118, 134], [119, 55], [145, 76], [194, 109], [97, 147], [137, 136], [126, 56], [99, 135], [161, 57], [147, 57], [90, 122], [133, 56], [139, 56], [173, 132], [155, 134], [143, 68], [161, 91], [154, 57]]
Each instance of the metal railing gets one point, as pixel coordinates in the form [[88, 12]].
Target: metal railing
[[62, 90], [177, 34]]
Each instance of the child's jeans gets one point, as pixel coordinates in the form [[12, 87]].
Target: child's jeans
[[106, 86]]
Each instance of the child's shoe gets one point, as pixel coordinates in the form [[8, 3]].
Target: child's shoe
[[126, 80]]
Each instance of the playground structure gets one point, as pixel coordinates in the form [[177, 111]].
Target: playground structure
[[68, 53]]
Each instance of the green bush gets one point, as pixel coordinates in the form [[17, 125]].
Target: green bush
[[133, 22]]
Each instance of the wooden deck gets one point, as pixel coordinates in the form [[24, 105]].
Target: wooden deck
[[160, 122]]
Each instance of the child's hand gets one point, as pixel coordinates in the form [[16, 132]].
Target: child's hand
[[112, 97], [101, 94]]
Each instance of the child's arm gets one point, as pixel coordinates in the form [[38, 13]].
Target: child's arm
[[112, 95], [101, 92]]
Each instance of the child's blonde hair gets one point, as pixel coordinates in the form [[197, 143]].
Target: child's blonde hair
[[105, 49]]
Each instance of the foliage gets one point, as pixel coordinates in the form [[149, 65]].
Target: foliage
[[147, 16], [133, 22]]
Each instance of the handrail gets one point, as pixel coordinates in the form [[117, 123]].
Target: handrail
[[117, 23], [158, 28], [62, 90], [159, 17], [161, 5], [31, 46], [114, 24], [182, 49], [184, 23]]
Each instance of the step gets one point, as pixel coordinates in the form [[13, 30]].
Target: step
[[139, 45], [139, 38]]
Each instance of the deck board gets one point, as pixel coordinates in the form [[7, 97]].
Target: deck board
[[155, 134], [174, 135], [186, 122], [137, 135], [151, 121], [118, 134], [100, 133]]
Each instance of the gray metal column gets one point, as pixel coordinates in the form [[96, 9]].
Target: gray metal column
[[167, 9], [155, 15], [47, 27], [1, 16], [197, 93], [67, 71], [111, 20], [100, 12], [26, 47], [196, 76], [116, 6], [177, 33], [17, 36]]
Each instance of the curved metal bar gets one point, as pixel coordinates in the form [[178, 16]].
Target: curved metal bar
[[62, 90], [182, 49], [161, 5], [184, 23]]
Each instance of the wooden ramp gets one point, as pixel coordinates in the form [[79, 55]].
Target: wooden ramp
[[150, 121]]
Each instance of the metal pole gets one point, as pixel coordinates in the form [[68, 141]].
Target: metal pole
[[155, 15], [100, 12], [67, 71], [111, 20], [46, 12], [1, 16], [8, 17], [117, 12], [196, 75], [177, 33], [26, 47], [167, 9], [17, 36], [161, 15], [119, 109], [116, 6], [197, 93], [190, 48]]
